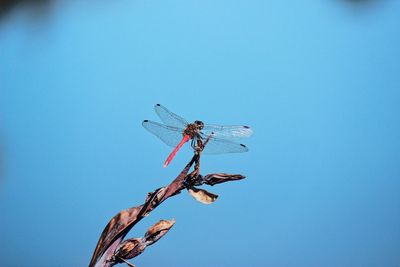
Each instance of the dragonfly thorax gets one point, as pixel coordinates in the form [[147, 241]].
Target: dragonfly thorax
[[193, 128]]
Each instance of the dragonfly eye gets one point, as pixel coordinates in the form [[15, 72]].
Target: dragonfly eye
[[199, 124]]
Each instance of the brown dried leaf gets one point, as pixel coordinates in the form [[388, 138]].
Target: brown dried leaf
[[158, 230], [111, 236], [202, 195]]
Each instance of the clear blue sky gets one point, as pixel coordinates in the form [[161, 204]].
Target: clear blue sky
[[317, 80]]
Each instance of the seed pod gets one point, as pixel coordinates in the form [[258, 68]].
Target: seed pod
[[129, 249], [158, 230]]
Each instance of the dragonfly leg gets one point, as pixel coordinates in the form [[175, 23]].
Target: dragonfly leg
[[193, 144], [197, 144]]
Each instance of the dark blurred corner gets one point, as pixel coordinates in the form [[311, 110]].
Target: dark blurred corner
[[36, 8], [360, 3]]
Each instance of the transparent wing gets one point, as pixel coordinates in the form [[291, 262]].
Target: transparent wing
[[219, 146], [169, 118], [168, 134], [227, 131]]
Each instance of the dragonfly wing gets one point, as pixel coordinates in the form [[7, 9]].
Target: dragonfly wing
[[227, 131], [168, 134], [217, 145], [169, 118]]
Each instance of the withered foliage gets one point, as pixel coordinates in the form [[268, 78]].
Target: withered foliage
[[132, 247], [112, 249]]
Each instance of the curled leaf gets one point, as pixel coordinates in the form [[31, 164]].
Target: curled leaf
[[158, 230], [202, 195], [217, 178]]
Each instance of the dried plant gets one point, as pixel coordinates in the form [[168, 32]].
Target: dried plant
[[112, 249]]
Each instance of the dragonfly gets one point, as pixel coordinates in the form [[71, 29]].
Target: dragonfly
[[205, 138]]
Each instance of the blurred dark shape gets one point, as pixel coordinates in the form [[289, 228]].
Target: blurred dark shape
[[360, 2], [36, 8]]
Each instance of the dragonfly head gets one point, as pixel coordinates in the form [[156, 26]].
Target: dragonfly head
[[199, 124]]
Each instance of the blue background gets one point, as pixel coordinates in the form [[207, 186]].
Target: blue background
[[317, 80]]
